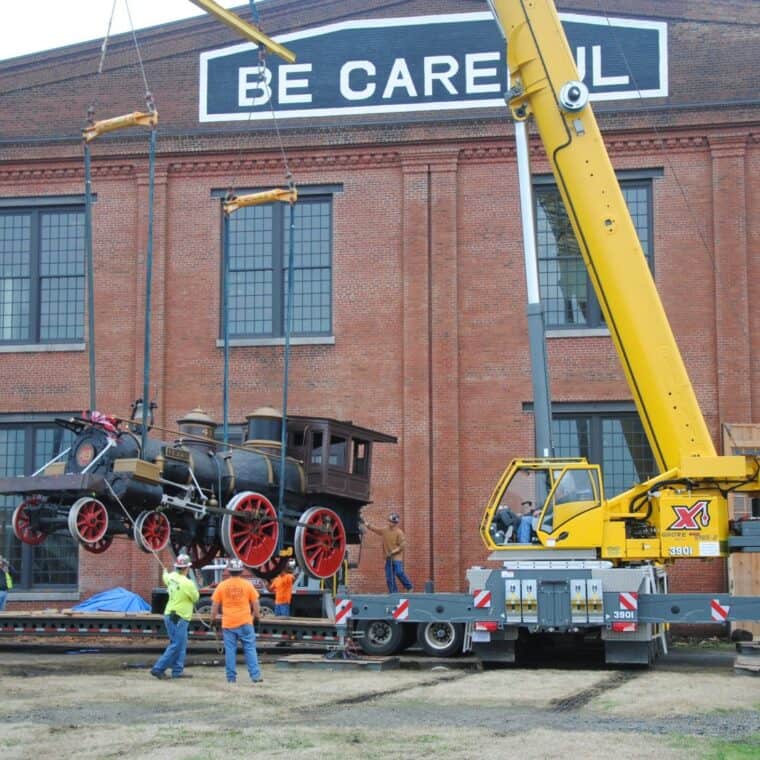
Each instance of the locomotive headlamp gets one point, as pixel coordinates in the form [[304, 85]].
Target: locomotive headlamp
[[85, 454]]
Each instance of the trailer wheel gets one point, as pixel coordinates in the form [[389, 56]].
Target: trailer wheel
[[204, 605], [380, 637], [441, 639]]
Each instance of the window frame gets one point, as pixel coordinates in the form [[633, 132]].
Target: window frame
[[643, 178], [597, 413], [24, 584], [35, 207], [310, 194]]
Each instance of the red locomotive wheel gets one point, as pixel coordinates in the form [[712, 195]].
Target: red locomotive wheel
[[88, 520], [97, 547], [320, 542], [201, 554], [253, 536], [271, 568], [152, 531], [22, 524]]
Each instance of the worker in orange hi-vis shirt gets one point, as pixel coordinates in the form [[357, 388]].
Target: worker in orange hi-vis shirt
[[282, 588], [239, 601]]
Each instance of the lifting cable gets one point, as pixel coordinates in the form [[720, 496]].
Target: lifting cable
[[90, 132], [231, 204], [93, 130]]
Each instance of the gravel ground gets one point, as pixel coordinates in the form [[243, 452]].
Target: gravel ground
[[91, 704]]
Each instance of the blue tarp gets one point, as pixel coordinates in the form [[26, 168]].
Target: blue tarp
[[114, 600]]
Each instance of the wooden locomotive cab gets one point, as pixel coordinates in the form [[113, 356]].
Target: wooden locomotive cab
[[336, 456]]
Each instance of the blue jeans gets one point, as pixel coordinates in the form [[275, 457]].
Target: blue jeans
[[247, 637], [3, 597], [394, 568], [174, 655], [282, 610]]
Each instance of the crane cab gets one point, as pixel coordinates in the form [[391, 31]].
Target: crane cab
[[545, 503]]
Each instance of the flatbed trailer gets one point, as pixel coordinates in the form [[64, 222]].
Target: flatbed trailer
[[627, 608]]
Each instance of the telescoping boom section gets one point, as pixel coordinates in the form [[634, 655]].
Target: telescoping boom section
[[683, 511]]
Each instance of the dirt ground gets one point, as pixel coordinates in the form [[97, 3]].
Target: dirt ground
[[89, 704]]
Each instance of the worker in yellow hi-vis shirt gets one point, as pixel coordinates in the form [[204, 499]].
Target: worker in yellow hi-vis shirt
[[6, 581], [183, 594]]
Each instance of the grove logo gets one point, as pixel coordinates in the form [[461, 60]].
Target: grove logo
[[695, 517]]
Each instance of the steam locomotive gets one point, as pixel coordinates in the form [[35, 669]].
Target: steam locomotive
[[203, 497]]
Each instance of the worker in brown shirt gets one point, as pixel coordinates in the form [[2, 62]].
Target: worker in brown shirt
[[393, 546]]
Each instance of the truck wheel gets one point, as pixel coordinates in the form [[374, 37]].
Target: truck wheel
[[266, 608], [380, 637], [441, 639], [204, 605]]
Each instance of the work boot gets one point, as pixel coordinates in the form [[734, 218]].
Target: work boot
[[158, 674], [183, 675]]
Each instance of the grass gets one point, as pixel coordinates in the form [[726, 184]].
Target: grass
[[720, 749]]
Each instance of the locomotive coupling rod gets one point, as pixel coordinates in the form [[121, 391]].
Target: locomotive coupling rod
[[136, 119], [245, 29], [254, 199]]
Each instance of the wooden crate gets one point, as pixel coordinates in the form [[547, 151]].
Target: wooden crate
[[743, 568]]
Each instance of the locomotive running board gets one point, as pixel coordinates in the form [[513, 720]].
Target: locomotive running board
[[45, 484]]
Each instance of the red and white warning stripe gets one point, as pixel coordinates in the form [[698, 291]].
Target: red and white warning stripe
[[719, 611], [343, 608], [482, 598], [486, 625], [402, 610], [629, 600], [621, 627]]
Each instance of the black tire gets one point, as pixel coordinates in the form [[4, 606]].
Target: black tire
[[441, 639], [204, 605], [266, 608], [380, 637]]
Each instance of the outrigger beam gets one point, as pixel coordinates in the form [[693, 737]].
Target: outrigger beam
[[255, 199], [136, 119], [245, 29]]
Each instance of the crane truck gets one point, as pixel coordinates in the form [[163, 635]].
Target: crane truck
[[593, 565]]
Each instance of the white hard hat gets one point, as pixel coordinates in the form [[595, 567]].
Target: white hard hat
[[183, 560], [235, 566]]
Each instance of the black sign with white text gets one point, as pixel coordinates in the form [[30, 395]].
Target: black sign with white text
[[418, 63]]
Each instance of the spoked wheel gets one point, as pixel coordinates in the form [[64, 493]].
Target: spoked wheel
[[88, 520], [252, 537], [200, 554], [320, 542], [271, 568], [22, 523], [97, 547], [152, 531]]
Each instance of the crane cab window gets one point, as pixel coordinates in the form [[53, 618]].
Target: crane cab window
[[576, 491]]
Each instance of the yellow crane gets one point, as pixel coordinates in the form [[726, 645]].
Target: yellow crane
[[682, 511]]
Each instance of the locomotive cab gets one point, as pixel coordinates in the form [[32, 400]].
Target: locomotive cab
[[337, 456]]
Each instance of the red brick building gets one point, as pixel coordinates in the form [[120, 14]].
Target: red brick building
[[410, 304]]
